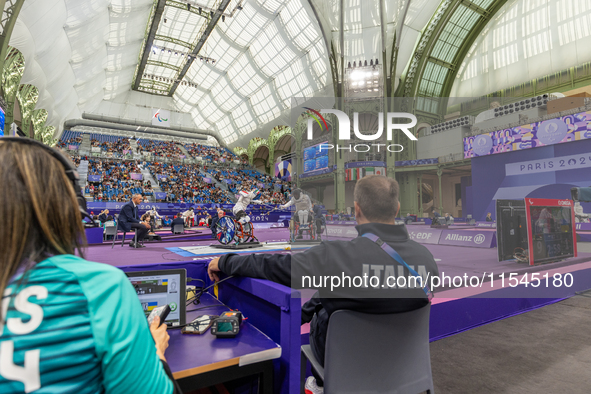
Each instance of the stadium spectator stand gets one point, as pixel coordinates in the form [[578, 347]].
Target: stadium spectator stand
[[110, 143], [70, 138], [181, 182], [167, 149], [115, 183], [184, 183], [210, 153]]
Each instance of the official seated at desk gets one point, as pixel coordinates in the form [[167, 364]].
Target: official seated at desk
[[129, 219], [376, 207], [72, 325]]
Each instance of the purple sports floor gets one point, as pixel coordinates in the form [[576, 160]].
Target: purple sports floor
[[452, 260]]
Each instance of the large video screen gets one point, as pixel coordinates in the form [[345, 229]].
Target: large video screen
[[552, 232], [316, 158]]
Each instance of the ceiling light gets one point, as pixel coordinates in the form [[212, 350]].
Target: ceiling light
[[223, 18], [188, 7], [239, 7], [164, 20], [200, 10]]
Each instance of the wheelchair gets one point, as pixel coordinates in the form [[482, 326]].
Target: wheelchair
[[230, 231], [313, 228]]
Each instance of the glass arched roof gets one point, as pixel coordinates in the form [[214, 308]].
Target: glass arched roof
[[80, 53], [267, 53], [526, 40]]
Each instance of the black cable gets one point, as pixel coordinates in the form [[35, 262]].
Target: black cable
[[198, 293], [209, 306], [195, 279]]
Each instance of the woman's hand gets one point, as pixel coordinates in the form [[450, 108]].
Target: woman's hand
[[160, 336]]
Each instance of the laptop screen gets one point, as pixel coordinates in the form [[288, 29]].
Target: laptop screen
[[157, 288]]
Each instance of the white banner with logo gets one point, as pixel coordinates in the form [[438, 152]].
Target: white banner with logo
[[160, 117]]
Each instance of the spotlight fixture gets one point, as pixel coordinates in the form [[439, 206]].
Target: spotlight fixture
[[223, 18], [211, 14], [188, 7], [200, 10], [239, 7], [164, 20], [163, 49], [349, 65]]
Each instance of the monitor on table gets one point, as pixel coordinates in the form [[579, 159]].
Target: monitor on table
[[156, 288]]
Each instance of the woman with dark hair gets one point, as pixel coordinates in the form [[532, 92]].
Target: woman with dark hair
[[66, 324]]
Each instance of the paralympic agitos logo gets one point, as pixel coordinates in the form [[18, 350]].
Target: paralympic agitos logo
[[345, 129]]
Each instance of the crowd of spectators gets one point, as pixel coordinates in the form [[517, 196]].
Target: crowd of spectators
[[118, 146], [210, 153], [184, 183], [116, 183], [181, 183], [168, 149], [69, 138], [273, 191]]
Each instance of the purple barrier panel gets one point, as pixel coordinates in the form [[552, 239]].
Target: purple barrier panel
[[73, 147], [228, 181], [94, 235], [583, 226], [206, 180], [470, 238], [341, 231], [345, 222], [160, 177], [486, 224], [424, 235], [136, 176], [94, 178]]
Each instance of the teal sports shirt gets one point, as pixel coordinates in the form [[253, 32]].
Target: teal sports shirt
[[73, 326]]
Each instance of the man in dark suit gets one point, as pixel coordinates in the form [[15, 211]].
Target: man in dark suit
[[129, 218], [177, 220]]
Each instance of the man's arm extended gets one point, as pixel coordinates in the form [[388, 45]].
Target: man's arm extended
[[274, 267]]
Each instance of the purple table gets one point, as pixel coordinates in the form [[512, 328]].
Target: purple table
[[273, 308], [198, 361]]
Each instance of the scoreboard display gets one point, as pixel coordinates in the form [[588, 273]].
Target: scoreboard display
[[316, 157], [551, 230]]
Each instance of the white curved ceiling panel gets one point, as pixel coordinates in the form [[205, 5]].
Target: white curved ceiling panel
[[81, 53], [525, 41]]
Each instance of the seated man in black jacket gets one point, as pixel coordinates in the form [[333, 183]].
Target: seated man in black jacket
[[129, 218], [360, 260], [178, 220]]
